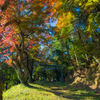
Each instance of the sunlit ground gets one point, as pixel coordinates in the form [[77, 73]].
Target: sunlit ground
[[49, 91]]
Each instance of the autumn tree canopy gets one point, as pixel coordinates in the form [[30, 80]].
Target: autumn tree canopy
[[22, 30]]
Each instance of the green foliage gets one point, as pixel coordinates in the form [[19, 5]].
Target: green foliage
[[71, 68], [9, 76], [78, 27]]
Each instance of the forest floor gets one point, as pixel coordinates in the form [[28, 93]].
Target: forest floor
[[51, 91]]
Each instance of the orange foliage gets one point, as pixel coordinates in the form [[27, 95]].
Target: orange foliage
[[17, 21]]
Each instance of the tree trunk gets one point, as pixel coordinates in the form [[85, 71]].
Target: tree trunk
[[6, 86], [1, 89], [80, 38], [25, 79], [76, 59], [30, 68], [69, 56], [23, 76], [30, 77], [20, 63]]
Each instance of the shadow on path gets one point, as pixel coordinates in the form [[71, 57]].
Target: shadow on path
[[67, 91]]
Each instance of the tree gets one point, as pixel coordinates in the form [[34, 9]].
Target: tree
[[23, 28], [78, 21], [8, 75]]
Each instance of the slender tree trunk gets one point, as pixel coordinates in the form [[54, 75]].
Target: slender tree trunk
[[31, 70], [30, 77], [69, 56], [86, 56], [76, 58], [80, 38], [1, 89], [6, 86]]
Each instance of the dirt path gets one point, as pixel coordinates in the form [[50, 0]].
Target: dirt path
[[74, 92]]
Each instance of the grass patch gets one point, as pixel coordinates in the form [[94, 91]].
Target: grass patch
[[48, 91]]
